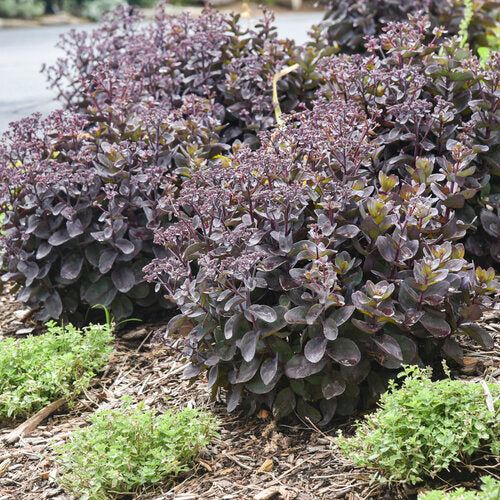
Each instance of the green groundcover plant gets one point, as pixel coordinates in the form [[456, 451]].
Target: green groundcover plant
[[425, 427], [490, 490], [36, 371], [128, 447]]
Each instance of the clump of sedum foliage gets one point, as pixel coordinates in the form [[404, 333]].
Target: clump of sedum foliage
[[146, 104], [425, 427], [306, 270]]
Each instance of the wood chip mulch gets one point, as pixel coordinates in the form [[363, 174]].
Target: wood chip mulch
[[253, 458]]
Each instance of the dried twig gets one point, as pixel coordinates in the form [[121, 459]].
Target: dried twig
[[31, 424]]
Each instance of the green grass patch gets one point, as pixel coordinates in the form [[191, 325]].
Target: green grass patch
[[126, 448], [36, 371], [425, 427], [490, 490]]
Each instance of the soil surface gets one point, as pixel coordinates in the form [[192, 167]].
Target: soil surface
[[253, 458]]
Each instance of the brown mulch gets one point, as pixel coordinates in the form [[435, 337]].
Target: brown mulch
[[253, 458]]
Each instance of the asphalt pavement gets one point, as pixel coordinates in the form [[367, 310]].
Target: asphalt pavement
[[23, 51]]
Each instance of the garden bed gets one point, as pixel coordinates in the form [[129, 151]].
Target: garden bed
[[238, 465]]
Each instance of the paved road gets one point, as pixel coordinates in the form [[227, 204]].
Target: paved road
[[23, 51]]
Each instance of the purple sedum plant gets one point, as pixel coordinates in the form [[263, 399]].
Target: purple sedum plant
[[305, 278], [80, 202]]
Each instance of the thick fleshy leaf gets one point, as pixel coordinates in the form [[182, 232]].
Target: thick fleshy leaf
[[299, 367], [332, 384], [388, 346], [192, 370], [315, 349], [344, 351], [436, 325], [297, 315], [347, 231], [231, 324], [59, 237], [233, 397], [53, 305], [74, 227], [328, 408], [453, 350], [330, 329], [30, 270], [121, 307], [125, 246], [257, 386], [284, 404], [247, 370], [479, 334], [106, 260], [43, 250], [342, 314], [263, 312], [71, 266], [102, 292], [268, 369], [248, 345], [386, 249], [213, 375], [313, 313], [123, 278]]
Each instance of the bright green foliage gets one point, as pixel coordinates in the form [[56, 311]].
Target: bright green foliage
[[490, 490], [60, 363], [128, 447], [424, 427]]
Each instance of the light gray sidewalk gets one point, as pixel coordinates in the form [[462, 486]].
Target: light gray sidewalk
[[23, 51]]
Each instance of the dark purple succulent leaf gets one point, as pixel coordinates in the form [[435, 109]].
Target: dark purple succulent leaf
[[213, 375], [121, 307], [43, 250], [313, 313], [234, 397], [53, 305], [125, 246], [342, 314], [344, 351], [452, 349], [29, 269], [268, 369], [247, 370], [478, 333], [263, 312], [299, 367], [101, 292], [315, 349], [123, 278], [435, 324], [107, 260], [248, 345], [332, 385], [347, 231], [71, 266], [284, 403], [297, 315], [328, 408], [59, 237], [330, 328], [74, 227], [388, 346], [257, 386], [192, 370]]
